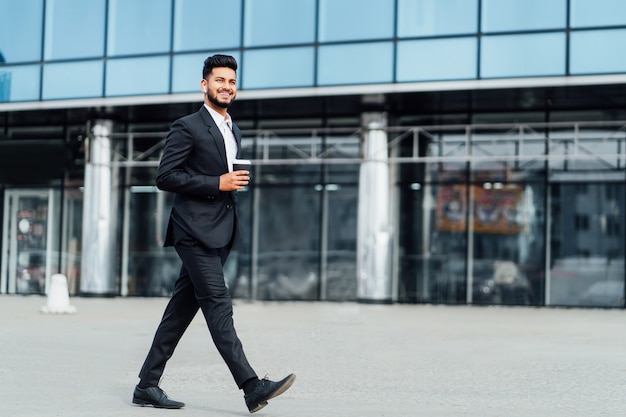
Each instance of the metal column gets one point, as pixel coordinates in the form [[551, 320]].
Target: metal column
[[375, 228], [100, 212]]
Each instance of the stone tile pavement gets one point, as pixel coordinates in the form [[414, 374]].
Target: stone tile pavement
[[351, 360]]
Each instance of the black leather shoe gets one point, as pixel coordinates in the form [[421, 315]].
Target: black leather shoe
[[155, 397], [266, 390]]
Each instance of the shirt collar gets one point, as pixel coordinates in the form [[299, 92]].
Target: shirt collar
[[218, 118]]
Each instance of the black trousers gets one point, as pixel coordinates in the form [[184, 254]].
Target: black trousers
[[200, 285]]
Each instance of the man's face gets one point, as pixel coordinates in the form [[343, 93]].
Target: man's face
[[221, 87]]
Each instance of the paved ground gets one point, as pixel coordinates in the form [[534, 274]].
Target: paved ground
[[351, 360]]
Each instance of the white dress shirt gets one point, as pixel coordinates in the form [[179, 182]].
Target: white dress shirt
[[225, 125]]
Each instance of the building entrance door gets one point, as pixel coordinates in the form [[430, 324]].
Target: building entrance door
[[30, 240]]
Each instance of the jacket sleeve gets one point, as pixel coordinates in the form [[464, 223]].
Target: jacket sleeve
[[176, 172]]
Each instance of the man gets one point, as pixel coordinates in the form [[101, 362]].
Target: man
[[197, 166]]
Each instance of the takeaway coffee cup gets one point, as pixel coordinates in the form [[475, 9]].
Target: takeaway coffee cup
[[242, 164]]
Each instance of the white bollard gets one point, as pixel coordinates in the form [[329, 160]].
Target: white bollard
[[58, 297]]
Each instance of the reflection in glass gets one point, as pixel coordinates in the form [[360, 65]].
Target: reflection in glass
[[437, 59], [20, 30], [197, 27], [436, 17], [586, 13], [130, 76], [355, 63], [67, 18], [279, 22], [587, 265], [266, 68], [376, 17], [513, 15], [595, 52], [72, 80], [134, 27], [523, 55]]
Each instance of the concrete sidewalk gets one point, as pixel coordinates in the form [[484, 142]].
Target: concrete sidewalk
[[350, 360]]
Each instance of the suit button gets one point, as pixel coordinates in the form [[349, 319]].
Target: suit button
[[229, 206]]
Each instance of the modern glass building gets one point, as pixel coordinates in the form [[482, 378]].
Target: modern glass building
[[415, 151]]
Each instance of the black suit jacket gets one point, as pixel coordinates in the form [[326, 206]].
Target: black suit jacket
[[193, 160]]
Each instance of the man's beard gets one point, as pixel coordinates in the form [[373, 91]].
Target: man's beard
[[214, 100]]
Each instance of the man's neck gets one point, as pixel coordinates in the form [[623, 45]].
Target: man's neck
[[220, 110]]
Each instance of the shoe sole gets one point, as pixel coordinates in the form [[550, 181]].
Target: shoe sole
[[288, 383]]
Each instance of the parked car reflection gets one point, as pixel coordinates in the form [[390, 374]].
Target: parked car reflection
[[493, 282]]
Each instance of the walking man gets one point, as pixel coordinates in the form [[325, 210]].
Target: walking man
[[197, 165]]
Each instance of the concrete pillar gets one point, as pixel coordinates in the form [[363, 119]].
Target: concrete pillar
[[375, 227], [100, 214]]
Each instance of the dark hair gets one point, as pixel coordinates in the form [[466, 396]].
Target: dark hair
[[216, 61]]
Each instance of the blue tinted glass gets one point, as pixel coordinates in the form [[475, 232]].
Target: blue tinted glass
[[355, 64], [197, 27], [139, 26], [523, 55], [584, 13], [436, 17], [72, 80], [279, 22], [595, 51], [132, 76], [19, 83], [74, 29], [266, 68], [187, 70], [509, 15], [377, 13], [21, 23], [437, 59]]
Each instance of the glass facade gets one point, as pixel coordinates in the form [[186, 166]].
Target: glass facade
[[389, 41], [499, 195]]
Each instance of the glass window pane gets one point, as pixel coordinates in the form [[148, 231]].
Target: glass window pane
[[341, 258], [355, 64], [279, 22], [508, 243], [21, 24], [587, 245], [139, 26], [596, 51], [72, 80], [133, 76], [224, 32], [289, 244], [510, 15], [67, 18], [377, 13], [586, 13], [523, 55], [438, 59], [19, 83], [436, 17], [266, 68], [187, 70]]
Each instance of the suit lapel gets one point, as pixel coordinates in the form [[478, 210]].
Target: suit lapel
[[237, 134], [215, 134]]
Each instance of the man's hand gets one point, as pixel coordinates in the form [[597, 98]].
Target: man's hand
[[235, 180]]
